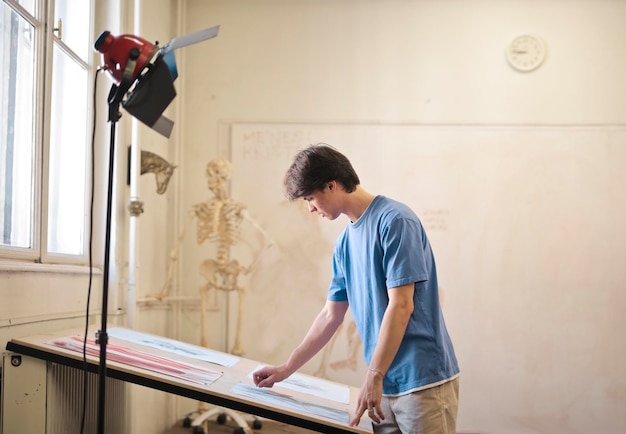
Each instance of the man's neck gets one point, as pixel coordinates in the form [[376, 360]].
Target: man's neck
[[358, 201]]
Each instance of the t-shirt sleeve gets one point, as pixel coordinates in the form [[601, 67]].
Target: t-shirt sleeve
[[337, 288], [403, 259]]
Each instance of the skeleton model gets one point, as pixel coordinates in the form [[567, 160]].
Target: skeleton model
[[219, 220]]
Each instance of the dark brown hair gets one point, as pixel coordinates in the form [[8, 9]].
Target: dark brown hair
[[316, 165]]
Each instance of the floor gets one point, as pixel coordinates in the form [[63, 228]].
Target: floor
[[213, 427]]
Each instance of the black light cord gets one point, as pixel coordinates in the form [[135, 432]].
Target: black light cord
[[91, 208]]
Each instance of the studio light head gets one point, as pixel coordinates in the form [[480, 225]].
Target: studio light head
[[116, 52], [144, 74]]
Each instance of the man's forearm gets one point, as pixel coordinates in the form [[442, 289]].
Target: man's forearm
[[321, 331]]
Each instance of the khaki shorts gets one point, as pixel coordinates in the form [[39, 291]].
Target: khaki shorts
[[428, 411]]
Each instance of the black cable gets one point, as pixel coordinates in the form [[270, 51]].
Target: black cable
[[91, 207]]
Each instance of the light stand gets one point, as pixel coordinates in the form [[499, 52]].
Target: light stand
[[116, 95], [125, 57]]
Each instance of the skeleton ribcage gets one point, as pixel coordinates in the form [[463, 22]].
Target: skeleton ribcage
[[220, 222]]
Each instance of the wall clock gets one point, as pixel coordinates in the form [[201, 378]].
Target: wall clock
[[526, 53]]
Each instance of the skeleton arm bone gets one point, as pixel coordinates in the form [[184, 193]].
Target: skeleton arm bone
[[269, 242]]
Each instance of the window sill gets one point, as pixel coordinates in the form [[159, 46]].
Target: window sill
[[32, 267]]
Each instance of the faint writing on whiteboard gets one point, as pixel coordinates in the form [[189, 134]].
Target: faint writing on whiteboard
[[435, 219], [266, 144]]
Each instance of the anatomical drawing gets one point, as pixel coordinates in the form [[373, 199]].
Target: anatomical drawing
[[353, 345]]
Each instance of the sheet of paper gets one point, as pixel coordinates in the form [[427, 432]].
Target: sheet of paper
[[140, 359], [271, 396], [314, 386], [173, 346]]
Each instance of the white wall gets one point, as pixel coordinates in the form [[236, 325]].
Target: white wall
[[410, 62], [148, 234]]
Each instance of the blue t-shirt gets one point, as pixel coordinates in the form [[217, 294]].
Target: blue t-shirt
[[388, 247]]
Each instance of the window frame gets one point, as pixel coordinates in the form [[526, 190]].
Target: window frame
[[46, 40]]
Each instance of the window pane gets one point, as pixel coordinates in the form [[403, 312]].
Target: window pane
[[29, 5], [74, 15], [17, 95], [68, 156]]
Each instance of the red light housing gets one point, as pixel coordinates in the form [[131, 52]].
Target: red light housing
[[117, 50]]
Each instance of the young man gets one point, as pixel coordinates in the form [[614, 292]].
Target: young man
[[384, 270]]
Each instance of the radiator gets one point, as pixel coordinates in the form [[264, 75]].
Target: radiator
[[40, 397], [65, 403]]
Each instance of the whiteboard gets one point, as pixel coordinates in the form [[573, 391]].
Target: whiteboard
[[528, 230]]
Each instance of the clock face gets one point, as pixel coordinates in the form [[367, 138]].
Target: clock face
[[526, 53]]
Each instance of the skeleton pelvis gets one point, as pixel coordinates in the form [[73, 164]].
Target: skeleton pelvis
[[221, 275]]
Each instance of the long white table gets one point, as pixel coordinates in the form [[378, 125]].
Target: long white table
[[163, 364]]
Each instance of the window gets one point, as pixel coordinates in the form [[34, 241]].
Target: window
[[45, 115]]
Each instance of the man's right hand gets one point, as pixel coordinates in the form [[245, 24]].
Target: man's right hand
[[267, 376]]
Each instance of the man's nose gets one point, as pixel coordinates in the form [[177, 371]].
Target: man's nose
[[311, 207]]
